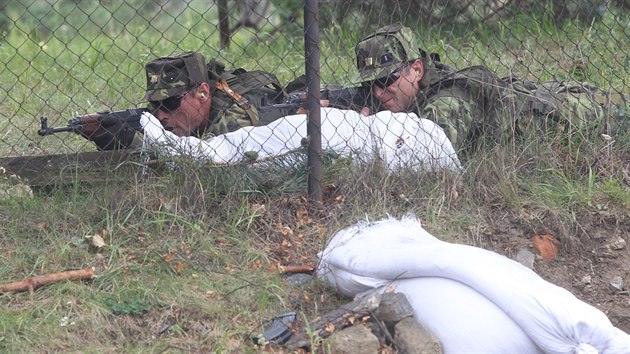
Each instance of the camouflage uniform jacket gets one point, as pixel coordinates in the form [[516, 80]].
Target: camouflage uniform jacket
[[473, 105], [466, 112], [237, 96], [226, 120]]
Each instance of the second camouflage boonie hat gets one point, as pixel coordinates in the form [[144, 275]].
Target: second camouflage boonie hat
[[173, 75], [382, 52]]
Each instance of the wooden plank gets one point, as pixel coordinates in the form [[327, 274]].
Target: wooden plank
[[97, 166]]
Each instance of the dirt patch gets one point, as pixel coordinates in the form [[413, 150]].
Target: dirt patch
[[593, 260]]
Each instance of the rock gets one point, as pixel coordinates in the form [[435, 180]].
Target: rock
[[12, 187], [526, 258], [618, 245], [298, 279], [394, 307], [617, 283], [354, 340], [411, 337], [392, 320], [584, 284]]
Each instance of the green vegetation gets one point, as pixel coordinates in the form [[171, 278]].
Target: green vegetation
[[190, 257]]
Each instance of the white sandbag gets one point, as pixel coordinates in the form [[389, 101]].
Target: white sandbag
[[391, 250], [402, 140], [463, 320]]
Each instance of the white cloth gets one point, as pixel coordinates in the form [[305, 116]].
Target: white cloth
[[473, 300], [402, 140]]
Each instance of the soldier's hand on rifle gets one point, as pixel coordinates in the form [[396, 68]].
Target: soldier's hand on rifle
[[113, 134], [302, 109]]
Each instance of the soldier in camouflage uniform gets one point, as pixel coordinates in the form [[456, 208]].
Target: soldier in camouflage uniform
[[472, 105], [189, 102], [193, 98]]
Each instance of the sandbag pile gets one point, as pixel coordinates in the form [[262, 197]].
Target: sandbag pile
[[473, 300]]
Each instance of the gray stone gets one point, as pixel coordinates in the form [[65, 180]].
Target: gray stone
[[617, 283], [394, 307], [356, 339], [412, 338], [298, 279], [618, 245], [526, 258]]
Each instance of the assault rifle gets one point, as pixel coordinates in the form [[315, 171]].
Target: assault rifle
[[352, 98], [109, 130]]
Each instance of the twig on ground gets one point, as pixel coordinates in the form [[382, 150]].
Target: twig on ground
[[33, 283], [301, 268]]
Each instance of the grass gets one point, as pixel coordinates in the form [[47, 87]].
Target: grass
[[190, 261]]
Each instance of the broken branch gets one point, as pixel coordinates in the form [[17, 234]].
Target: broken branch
[[302, 268], [33, 283]]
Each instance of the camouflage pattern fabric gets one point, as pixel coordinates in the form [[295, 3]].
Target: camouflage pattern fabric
[[171, 76], [474, 106], [455, 116], [573, 107], [227, 120], [469, 105], [257, 87], [383, 52]]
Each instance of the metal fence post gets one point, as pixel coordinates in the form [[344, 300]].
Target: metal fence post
[[313, 127]]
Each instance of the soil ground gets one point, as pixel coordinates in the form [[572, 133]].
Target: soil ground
[[586, 265]]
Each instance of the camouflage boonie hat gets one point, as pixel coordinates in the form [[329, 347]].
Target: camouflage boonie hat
[[382, 52], [173, 75]]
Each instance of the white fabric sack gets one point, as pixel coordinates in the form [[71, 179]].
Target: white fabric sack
[[402, 254], [402, 140]]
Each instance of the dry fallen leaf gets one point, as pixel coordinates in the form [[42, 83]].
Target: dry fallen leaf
[[98, 241], [284, 245], [301, 213], [286, 231], [547, 245], [273, 267], [180, 266], [258, 209], [329, 327]]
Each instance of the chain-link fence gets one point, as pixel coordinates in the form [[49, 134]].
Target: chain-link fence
[[64, 59]]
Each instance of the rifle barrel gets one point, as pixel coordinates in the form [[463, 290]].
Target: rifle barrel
[[45, 130]]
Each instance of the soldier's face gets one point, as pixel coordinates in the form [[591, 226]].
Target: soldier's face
[[192, 112], [397, 95]]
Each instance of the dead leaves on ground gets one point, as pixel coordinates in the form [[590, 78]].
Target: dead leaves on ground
[[294, 236], [177, 265], [546, 245], [97, 240]]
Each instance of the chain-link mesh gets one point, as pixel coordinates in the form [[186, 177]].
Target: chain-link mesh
[[63, 59]]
